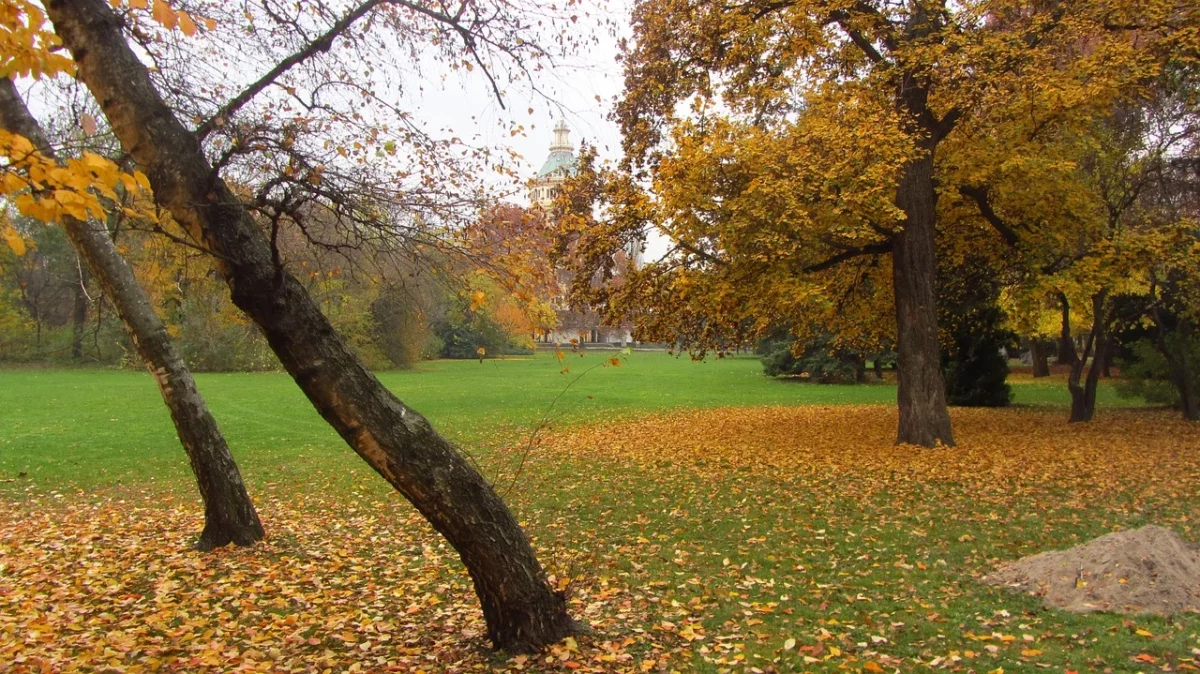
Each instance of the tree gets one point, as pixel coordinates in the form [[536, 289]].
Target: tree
[[522, 611], [795, 138], [1102, 237], [229, 514]]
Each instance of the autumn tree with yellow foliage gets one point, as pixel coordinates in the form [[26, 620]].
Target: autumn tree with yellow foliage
[[796, 154]]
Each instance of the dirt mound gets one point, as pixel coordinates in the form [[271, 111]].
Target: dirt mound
[[1147, 570]]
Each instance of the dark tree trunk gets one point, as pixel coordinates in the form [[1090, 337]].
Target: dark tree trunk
[[522, 611], [877, 366], [924, 417], [1066, 345], [229, 515], [1177, 364], [1041, 362], [1083, 397], [79, 315]]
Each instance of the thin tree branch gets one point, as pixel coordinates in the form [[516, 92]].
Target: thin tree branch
[[981, 197], [321, 44], [869, 249]]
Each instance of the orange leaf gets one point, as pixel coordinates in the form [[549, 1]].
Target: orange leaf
[[186, 25], [163, 14]]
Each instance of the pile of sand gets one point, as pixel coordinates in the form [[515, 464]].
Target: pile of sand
[[1147, 570]]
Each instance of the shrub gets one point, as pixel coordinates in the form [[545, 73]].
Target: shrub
[[1146, 375], [817, 361]]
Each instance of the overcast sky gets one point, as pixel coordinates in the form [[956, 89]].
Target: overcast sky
[[567, 91]]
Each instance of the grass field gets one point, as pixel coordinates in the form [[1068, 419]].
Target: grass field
[[100, 428], [700, 517]]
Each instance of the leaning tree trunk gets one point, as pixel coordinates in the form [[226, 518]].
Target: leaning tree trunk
[[924, 417], [1037, 353], [522, 611], [1083, 396], [1066, 345], [229, 515]]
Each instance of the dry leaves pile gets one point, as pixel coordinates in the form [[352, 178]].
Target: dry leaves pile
[[771, 539]]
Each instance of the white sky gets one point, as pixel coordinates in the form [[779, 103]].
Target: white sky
[[568, 90]]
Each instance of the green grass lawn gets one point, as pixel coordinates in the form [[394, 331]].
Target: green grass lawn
[[728, 558], [93, 429]]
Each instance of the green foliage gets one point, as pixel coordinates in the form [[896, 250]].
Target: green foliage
[[466, 327], [816, 361], [1145, 374], [462, 335], [976, 368], [973, 336]]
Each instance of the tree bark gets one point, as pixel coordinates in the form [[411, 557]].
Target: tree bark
[[1177, 364], [1041, 362], [229, 515], [1066, 345], [522, 611], [924, 417], [1083, 397], [79, 314]]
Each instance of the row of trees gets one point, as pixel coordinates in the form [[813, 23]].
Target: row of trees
[[816, 163], [395, 309]]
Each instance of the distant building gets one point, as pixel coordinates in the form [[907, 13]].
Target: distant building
[[582, 327], [559, 165]]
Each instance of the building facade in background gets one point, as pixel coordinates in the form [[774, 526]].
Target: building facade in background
[[574, 326]]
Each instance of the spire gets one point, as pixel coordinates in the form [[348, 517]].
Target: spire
[[561, 131]]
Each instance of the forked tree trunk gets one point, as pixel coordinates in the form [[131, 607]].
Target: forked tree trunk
[[79, 314], [229, 515], [924, 417], [1083, 396], [1037, 353], [522, 611], [1066, 345]]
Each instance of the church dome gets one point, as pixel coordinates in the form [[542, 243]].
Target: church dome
[[562, 161]]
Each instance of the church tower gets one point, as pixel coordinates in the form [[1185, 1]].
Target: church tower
[[559, 164]]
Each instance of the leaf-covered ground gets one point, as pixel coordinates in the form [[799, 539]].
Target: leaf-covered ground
[[740, 539]]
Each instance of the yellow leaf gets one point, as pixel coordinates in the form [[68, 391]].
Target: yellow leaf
[[478, 299], [789, 644], [1142, 632], [14, 240]]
